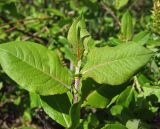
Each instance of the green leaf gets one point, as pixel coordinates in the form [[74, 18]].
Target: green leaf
[[91, 122], [56, 12], [133, 124], [69, 55], [100, 97], [97, 100], [74, 37], [27, 116], [153, 43], [116, 110], [114, 41], [126, 97], [73, 33], [127, 26], [34, 100], [75, 115], [143, 80], [112, 101], [142, 37], [137, 124], [152, 91], [17, 101], [57, 107], [115, 65], [34, 67], [120, 3], [26, 128], [114, 126], [87, 87], [78, 36]]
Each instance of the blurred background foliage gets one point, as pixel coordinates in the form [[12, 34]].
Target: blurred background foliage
[[48, 21]]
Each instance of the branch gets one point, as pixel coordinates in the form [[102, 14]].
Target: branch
[[35, 37], [137, 85], [107, 9], [22, 20], [77, 81]]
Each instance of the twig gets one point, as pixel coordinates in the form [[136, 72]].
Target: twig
[[35, 37], [23, 20], [25, 38], [137, 85], [10, 29], [34, 34], [13, 28], [105, 7]]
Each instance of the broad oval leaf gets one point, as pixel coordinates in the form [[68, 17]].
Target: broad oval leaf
[[34, 67], [115, 65], [57, 107]]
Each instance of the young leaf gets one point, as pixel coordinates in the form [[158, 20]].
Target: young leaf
[[78, 36], [127, 26], [73, 35], [57, 107], [74, 38], [34, 67], [115, 65]]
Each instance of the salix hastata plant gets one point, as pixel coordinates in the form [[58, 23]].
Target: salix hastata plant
[[40, 71]]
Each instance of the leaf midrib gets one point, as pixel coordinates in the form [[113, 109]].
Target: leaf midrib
[[65, 85], [108, 62]]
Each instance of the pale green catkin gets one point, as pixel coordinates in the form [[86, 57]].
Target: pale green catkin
[[156, 16]]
